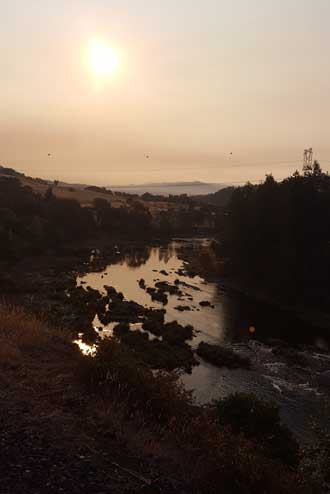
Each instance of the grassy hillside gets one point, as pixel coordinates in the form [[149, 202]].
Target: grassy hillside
[[85, 196]]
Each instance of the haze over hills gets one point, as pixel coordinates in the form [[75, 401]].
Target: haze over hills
[[170, 188], [195, 188]]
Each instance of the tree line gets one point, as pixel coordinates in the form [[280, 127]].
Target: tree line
[[276, 236], [32, 222]]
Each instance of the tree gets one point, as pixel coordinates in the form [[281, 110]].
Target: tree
[[276, 235], [49, 193], [317, 171], [259, 421]]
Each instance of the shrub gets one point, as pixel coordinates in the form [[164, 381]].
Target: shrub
[[117, 371], [155, 353], [162, 410], [259, 421], [316, 464]]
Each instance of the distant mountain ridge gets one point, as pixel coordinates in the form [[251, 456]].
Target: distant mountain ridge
[[170, 188]]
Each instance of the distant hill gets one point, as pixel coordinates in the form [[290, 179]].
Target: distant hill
[[10, 172], [203, 192], [83, 194], [169, 188]]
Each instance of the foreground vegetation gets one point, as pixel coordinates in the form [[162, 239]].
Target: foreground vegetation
[[117, 404]]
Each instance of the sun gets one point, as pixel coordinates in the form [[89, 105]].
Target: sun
[[103, 58]]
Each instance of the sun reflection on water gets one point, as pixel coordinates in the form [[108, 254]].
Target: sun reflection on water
[[88, 350]]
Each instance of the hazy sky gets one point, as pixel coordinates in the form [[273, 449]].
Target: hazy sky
[[197, 80]]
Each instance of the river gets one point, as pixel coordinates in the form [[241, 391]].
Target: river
[[297, 389]]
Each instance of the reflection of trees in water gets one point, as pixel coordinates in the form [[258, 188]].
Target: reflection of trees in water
[[237, 317], [135, 257], [165, 253], [240, 313]]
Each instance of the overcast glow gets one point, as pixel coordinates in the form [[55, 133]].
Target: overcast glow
[[211, 90]]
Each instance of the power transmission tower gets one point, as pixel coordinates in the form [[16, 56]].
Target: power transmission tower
[[308, 160]]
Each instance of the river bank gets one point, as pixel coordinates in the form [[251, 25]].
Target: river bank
[[44, 284], [54, 437], [60, 435], [72, 288]]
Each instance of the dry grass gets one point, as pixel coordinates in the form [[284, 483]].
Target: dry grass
[[23, 335], [83, 196], [86, 197], [155, 415], [37, 365], [208, 459]]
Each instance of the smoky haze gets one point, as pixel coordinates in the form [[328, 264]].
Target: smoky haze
[[197, 81]]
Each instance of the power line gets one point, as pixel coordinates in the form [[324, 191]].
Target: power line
[[218, 166]]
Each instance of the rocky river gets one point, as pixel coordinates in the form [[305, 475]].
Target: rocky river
[[290, 362]]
